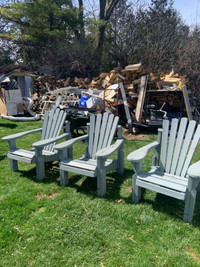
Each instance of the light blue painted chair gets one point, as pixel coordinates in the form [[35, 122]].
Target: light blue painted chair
[[170, 174], [43, 150], [95, 162]]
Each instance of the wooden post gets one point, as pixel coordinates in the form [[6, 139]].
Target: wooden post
[[128, 116], [120, 160], [187, 102], [141, 97]]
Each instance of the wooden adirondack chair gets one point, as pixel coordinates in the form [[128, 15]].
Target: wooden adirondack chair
[[95, 162], [43, 150], [170, 174]]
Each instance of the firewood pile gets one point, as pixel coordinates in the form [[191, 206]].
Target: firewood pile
[[44, 84], [130, 77], [158, 90]]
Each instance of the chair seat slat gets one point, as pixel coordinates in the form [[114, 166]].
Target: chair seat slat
[[165, 180], [162, 190], [29, 153], [88, 164]]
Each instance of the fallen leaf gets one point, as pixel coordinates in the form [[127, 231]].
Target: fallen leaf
[[131, 238]]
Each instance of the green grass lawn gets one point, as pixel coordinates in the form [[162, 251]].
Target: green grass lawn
[[44, 224]]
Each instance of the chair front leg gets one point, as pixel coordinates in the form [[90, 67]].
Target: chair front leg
[[13, 165], [13, 162], [190, 199], [136, 190], [63, 154], [63, 177], [40, 167], [101, 177], [69, 151]]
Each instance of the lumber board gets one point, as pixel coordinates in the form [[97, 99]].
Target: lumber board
[[141, 97]]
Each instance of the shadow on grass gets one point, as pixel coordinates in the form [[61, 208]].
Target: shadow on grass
[[172, 207], [51, 173], [2, 157], [82, 184], [89, 185], [8, 125]]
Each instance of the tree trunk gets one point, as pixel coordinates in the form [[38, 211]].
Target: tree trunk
[[81, 19], [106, 9]]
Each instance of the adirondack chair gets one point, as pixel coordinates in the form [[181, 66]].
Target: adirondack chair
[[43, 150], [170, 174], [95, 162]]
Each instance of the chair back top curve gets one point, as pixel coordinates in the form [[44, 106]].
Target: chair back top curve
[[101, 132], [178, 144], [52, 125]]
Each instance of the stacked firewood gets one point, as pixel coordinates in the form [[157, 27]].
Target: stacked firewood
[[44, 84], [130, 76]]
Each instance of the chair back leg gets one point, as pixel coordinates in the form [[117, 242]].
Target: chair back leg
[[136, 190], [120, 161], [101, 177], [40, 168], [63, 177], [13, 165], [190, 200]]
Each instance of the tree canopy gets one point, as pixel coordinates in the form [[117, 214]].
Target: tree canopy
[[83, 37]]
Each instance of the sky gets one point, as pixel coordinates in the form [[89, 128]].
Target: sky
[[189, 10]]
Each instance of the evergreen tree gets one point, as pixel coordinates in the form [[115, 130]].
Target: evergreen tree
[[37, 26]]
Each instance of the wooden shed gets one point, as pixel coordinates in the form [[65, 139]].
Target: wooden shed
[[24, 80], [11, 102]]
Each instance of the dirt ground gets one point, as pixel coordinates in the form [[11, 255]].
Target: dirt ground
[[135, 136]]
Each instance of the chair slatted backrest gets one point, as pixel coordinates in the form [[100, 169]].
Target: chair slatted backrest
[[52, 125], [177, 150], [101, 133]]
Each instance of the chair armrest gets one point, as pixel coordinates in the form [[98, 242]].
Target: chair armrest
[[19, 135], [194, 170], [42, 143], [141, 153], [70, 142], [107, 151]]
